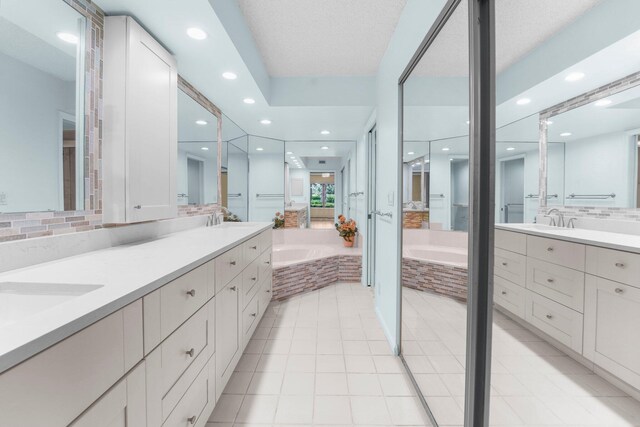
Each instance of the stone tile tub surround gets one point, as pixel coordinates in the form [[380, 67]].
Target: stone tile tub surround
[[305, 260], [435, 261]]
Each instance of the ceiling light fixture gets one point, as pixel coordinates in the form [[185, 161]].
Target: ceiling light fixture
[[523, 101], [324, 148], [292, 157], [446, 149], [229, 75], [259, 149], [326, 175], [574, 77], [204, 148], [468, 122], [289, 152], [68, 37], [602, 102], [249, 101], [510, 148], [325, 132], [265, 121], [410, 153], [565, 134], [196, 33], [201, 122], [549, 122], [426, 161]]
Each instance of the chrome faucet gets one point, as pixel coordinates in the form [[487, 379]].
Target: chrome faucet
[[215, 218], [572, 223], [560, 222]]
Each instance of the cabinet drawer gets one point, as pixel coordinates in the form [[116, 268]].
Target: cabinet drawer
[[252, 248], [265, 263], [228, 327], [568, 254], [190, 409], [623, 267], [557, 283], [611, 336], [509, 296], [510, 266], [183, 346], [228, 266], [558, 321], [265, 295], [511, 241], [250, 280], [55, 386], [249, 316], [266, 238]]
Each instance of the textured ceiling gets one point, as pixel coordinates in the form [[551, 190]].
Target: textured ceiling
[[521, 25], [322, 38]]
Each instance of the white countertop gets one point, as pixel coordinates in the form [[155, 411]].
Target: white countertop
[[125, 272], [605, 239], [296, 207]]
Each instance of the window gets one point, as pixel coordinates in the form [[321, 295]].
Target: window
[[323, 195]]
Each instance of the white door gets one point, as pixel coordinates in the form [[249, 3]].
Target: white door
[[371, 206], [512, 206]]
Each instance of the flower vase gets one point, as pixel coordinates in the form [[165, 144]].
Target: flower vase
[[348, 243]]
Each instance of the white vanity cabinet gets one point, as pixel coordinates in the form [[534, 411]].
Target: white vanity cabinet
[[161, 361], [140, 125], [584, 297]]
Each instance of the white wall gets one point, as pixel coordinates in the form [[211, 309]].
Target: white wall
[[266, 176], [30, 103], [414, 23], [237, 182], [601, 165], [210, 177]]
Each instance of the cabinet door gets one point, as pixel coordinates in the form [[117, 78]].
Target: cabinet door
[[611, 335], [122, 406], [151, 99], [227, 325]]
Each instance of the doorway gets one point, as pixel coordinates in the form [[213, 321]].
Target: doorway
[[323, 199], [371, 206], [195, 180], [513, 191]]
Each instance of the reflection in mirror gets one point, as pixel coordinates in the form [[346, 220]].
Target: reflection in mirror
[[435, 220], [319, 183], [42, 151], [266, 178], [197, 166], [235, 170], [602, 134]]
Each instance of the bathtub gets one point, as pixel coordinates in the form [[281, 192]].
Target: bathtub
[[294, 246], [287, 254], [456, 257]]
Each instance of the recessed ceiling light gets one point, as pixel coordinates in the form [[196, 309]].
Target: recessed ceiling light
[[196, 33], [325, 132], [446, 149], [417, 163], [229, 75], [324, 148], [468, 122], [523, 101], [574, 77], [510, 148], [201, 122], [265, 121], [426, 161], [249, 101], [68, 37], [259, 149], [565, 134], [289, 152], [204, 148], [549, 122], [410, 153], [602, 102], [292, 157], [451, 160]]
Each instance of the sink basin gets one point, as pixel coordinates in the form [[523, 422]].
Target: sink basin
[[234, 225], [19, 300], [542, 227]]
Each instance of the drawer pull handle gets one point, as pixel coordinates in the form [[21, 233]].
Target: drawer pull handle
[[137, 207], [550, 249], [192, 420], [550, 280], [549, 316], [192, 292], [504, 264], [191, 352], [504, 292], [254, 278], [254, 314], [254, 247], [268, 291], [267, 262], [232, 263], [619, 264], [233, 289], [619, 290]]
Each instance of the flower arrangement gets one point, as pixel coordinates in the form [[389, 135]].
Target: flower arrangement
[[278, 221], [347, 230], [230, 216]]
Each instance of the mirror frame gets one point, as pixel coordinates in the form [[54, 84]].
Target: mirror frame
[[583, 99], [202, 100]]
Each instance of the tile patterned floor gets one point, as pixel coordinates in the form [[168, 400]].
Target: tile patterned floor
[[320, 359], [532, 382]]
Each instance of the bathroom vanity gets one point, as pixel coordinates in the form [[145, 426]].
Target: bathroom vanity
[[150, 340], [580, 288]]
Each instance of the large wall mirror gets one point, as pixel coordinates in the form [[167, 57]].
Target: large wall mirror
[[42, 143], [235, 171]]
